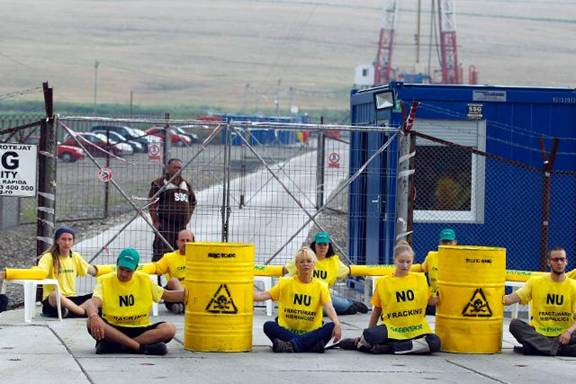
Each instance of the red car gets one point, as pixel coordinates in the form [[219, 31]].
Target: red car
[[94, 144], [69, 153], [175, 138]]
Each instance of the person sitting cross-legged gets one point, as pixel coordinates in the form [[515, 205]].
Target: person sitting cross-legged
[[301, 299], [126, 297]]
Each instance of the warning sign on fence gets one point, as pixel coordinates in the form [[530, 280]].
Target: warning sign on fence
[[18, 170], [104, 174], [334, 160], [154, 152]]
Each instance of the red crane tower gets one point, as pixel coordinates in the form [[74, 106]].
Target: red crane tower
[[450, 68]]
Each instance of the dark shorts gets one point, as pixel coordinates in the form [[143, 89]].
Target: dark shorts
[[133, 332], [50, 311]]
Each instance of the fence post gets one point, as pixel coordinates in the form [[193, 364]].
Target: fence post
[[46, 206], [320, 156], [167, 138], [107, 185], [405, 189], [549, 159]]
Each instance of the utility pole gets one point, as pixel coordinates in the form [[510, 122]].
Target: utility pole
[[96, 64]]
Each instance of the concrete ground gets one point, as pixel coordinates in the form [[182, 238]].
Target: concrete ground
[[50, 351]]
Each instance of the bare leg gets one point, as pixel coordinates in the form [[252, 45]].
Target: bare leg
[[66, 303], [162, 333], [174, 284]]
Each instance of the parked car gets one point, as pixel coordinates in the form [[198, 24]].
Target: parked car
[[185, 130], [175, 138], [125, 148], [129, 133], [69, 154], [117, 137], [95, 144], [66, 153]]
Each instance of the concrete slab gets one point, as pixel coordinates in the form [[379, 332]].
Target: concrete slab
[[49, 351]]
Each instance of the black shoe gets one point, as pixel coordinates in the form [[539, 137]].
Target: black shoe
[[3, 302], [318, 347], [104, 346], [380, 349], [177, 308], [361, 307], [158, 349], [280, 346], [348, 344], [520, 349]]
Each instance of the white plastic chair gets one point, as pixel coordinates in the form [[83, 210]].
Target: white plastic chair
[[154, 279], [267, 283], [30, 296]]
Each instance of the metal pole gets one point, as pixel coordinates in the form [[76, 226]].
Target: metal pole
[[46, 208], [549, 159], [405, 181], [167, 138], [225, 185], [96, 65], [320, 156], [131, 102], [107, 185]]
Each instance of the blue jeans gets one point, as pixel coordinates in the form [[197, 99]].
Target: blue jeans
[[340, 303], [301, 343]]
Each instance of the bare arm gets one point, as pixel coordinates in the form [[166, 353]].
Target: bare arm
[[566, 336], [374, 316], [94, 323], [331, 313], [512, 298], [174, 296], [262, 296]]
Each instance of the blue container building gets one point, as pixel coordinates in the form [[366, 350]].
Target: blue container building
[[504, 192]]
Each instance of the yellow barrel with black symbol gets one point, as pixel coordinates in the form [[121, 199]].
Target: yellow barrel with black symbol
[[471, 283], [220, 287]]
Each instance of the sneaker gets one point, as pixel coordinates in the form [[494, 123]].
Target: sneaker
[[104, 346], [348, 344], [177, 308], [361, 307], [280, 346], [158, 349], [318, 347]]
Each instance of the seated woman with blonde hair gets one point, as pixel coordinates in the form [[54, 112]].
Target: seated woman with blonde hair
[[301, 299], [400, 302]]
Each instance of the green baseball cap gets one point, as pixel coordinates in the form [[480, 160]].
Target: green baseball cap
[[447, 234], [129, 259], [322, 238]]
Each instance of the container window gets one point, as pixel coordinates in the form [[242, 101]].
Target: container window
[[449, 180]]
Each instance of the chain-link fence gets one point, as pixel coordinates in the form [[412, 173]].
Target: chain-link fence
[[490, 200]]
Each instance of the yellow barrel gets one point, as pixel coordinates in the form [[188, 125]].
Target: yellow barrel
[[219, 308], [471, 285]]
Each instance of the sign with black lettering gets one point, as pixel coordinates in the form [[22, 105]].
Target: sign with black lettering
[[18, 170], [222, 302]]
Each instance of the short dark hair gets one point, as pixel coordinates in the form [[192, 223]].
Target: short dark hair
[[555, 248], [173, 160]]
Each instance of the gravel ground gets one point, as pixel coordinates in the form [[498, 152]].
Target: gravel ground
[[80, 197]]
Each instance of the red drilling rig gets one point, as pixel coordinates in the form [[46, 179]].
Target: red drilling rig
[[443, 11]]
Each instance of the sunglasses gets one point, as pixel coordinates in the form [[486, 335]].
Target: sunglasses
[[558, 259]]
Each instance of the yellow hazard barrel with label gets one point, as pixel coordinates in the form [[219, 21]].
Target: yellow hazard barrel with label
[[471, 285], [219, 308]]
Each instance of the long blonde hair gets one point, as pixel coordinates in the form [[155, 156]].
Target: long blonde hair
[[303, 252]]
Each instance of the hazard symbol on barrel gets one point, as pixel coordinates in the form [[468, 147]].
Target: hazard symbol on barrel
[[222, 301], [477, 306]]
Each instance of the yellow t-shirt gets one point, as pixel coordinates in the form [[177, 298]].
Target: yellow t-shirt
[[571, 274], [328, 269], [173, 264], [403, 301], [430, 265], [553, 304], [127, 304], [70, 267], [300, 304]]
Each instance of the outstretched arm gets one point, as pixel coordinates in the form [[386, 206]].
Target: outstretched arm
[[262, 296], [510, 299], [331, 313]]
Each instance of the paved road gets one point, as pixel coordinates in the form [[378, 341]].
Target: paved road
[[50, 351]]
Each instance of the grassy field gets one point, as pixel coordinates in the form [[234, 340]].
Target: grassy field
[[245, 54]]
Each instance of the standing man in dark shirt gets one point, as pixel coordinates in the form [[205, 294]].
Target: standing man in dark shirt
[[172, 212]]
